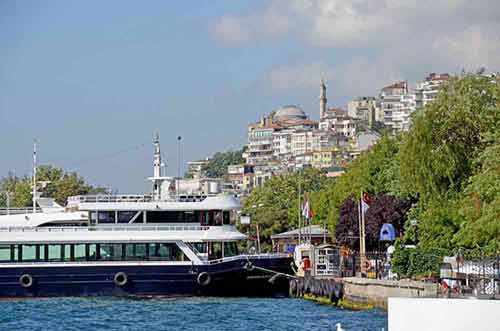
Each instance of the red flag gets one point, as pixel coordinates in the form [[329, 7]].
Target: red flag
[[307, 210]]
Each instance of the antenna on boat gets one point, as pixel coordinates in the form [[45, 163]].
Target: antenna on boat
[[34, 176]]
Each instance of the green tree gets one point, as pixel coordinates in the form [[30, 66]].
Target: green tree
[[217, 164], [439, 163], [58, 185], [438, 152], [275, 205], [480, 204]]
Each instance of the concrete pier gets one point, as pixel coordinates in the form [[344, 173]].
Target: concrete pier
[[376, 291], [360, 292]]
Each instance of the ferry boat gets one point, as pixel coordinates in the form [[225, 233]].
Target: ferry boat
[[163, 244]]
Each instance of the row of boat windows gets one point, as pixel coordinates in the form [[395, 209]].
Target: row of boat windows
[[210, 217], [216, 250], [91, 252]]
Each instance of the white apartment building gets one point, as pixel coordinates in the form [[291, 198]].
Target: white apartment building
[[427, 90], [397, 105], [270, 139], [282, 143], [260, 145], [343, 125], [362, 108], [303, 142], [195, 168]]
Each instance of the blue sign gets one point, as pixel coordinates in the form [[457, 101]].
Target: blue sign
[[387, 232]]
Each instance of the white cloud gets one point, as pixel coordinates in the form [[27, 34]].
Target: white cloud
[[268, 24], [405, 38], [472, 48], [307, 75], [358, 77]]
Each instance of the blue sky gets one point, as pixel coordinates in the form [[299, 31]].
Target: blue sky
[[92, 80]]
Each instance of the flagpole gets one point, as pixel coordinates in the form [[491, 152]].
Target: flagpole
[[362, 239], [34, 176], [300, 217], [363, 227]]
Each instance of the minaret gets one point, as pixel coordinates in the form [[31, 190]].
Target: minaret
[[322, 100]]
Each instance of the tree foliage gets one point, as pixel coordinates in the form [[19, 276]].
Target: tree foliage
[[275, 205], [59, 185], [384, 209], [449, 159], [217, 164]]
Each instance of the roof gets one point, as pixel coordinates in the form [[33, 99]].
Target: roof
[[437, 77], [314, 230], [401, 84], [293, 122], [289, 112]]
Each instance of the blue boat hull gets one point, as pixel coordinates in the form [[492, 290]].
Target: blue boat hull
[[229, 278]]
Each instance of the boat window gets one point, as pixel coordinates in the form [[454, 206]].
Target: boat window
[[4, 253], [111, 252], [93, 217], [41, 253], [201, 248], [29, 253], [226, 217], [106, 217], [218, 217], [170, 217], [230, 249], [15, 253], [136, 252], [210, 217], [166, 252], [202, 217], [79, 252], [214, 251], [66, 253], [125, 216], [91, 251], [54, 253], [190, 217]]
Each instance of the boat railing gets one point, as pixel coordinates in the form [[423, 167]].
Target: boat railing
[[109, 198], [18, 211], [106, 198], [104, 228], [247, 256]]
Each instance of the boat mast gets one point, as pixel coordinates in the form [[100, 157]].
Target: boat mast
[[34, 176]]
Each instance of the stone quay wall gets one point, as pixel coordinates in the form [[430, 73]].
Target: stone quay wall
[[376, 291]]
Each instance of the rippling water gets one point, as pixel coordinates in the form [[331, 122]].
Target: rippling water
[[182, 314]]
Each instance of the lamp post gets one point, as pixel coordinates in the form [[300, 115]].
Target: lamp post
[[179, 138]]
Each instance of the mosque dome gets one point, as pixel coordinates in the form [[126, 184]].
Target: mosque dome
[[289, 112]]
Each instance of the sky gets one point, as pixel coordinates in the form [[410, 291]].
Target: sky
[[93, 81]]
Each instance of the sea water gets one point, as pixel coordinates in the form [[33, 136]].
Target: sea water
[[183, 314]]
